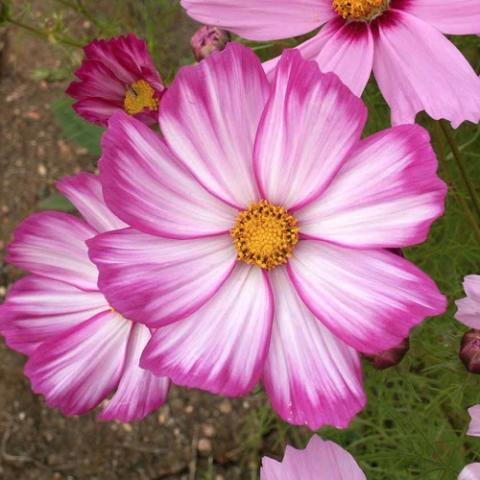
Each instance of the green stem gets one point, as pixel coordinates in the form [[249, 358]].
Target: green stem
[[458, 157]]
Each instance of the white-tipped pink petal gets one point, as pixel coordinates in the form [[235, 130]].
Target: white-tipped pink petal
[[474, 426], [470, 472], [261, 19], [139, 392], [38, 309], [157, 281], [320, 460], [85, 192], [209, 116], [52, 244], [468, 308], [222, 347], [311, 377], [310, 123], [387, 193], [146, 187], [455, 17], [368, 298], [76, 371], [418, 69]]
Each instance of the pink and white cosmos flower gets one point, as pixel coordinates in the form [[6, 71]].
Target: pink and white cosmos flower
[[320, 460], [261, 224], [402, 41], [117, 74], [468, 308], [79, 348]]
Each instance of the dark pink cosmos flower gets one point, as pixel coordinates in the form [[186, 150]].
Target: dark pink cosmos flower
[[117, 74], [80, 349], [262, 224], [402, 41]]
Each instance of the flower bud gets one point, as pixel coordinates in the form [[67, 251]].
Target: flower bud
[[207, 40], [391, 357], [470, 351]]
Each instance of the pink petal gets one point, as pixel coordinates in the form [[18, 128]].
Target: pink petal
[[76, 371], [96, 110], [468, 308], [261, 19], [368, 298], [38, 309], [53, 244], [417, 69], [474, 427], [139, 392], [156, 281], [311, 377], [310, 123], [456, 17], [221, 348], [85, 192], [209, 117], [145, 186], [470, 472], [320, 460], [387, 193]]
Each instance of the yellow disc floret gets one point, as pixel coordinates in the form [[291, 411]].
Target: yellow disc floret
[[140, 95], [360, 10], [265, 235]]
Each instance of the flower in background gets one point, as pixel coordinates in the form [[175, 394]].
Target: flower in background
[[468, 308], [470, 350], [474, 427], [79, 348], [415, 66], [320, 460], [262, 224], [207, 40], [470, 472], [117, 74]]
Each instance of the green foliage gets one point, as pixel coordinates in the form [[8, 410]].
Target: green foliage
[[56, 202]]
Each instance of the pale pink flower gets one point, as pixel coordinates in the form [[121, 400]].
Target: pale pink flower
[[474, 427], [470, 472], [468, 308], [80, 349], [416, 67], [275, 174]]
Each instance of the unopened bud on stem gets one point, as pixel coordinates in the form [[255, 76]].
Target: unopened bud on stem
[[470, 351], [391, 357]]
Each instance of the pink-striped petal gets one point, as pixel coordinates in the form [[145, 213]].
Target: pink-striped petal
[[470, 472], [222, 347], [139, 392], [455, 17], [368, 298], [417, 69], [468, 308], [157, 281], [310, 123], [38, 309], [386, 195], [76, 371], [52, 244], [209, 117], [474, 427], [311, 377], [85, 192], [320, 460], [261, 19], [144, 185]]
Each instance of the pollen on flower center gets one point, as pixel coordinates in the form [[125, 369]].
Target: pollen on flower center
[[360, 10], [265, 235], [138, 96]]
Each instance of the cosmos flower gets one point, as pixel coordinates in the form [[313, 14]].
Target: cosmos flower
[[320, 460], [474, 427], [117, 74], [470, 472], [402, 41], [468, 308], [79, 348], [260, 233]]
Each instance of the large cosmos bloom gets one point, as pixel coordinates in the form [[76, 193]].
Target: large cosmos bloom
[[261, 225], [117, 74], [321, 460], [79, 348], [415, 66], [468, 308]]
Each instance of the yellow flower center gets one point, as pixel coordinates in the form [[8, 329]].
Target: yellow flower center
[[265, 235], [360, 10], [138, 96]]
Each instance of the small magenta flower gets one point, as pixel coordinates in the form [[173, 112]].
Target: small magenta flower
[[117, 74], [391, 357], [80, 349], [207, 40], [470, 351], [416, 67]]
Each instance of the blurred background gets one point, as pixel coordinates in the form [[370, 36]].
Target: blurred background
[[415, 422]]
